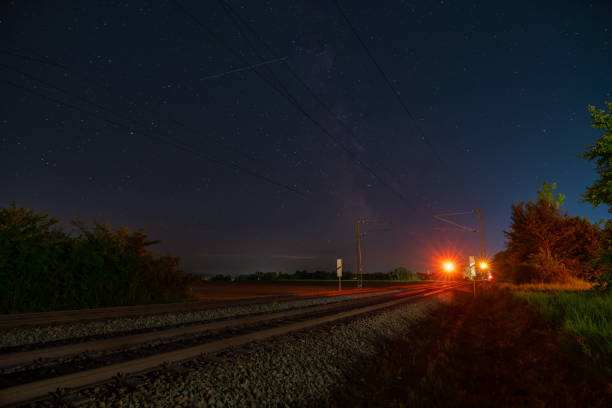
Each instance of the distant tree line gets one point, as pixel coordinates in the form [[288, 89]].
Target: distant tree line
[[546, 244], [44, 267], [398, 274]]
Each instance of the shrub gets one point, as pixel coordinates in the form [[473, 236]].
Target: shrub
[[32, 249], [44, 268]]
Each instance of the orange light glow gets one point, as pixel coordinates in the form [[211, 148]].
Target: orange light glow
[[439, 253], [448, 266], [484, 265]]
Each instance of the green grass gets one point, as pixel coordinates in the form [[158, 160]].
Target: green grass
[[587, 315]]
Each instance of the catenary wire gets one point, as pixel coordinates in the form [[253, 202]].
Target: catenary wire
[[389, 83], [238, 19], [291, 99], [50, 62], [109, 89], [177, 144]]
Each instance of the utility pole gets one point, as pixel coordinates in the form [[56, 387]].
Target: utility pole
[[339, 273], [359, 256], [483, 252], [358, 235]]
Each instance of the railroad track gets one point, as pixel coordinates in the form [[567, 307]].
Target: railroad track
[[8, 321], [119, 324], [12, 359], [74, 316], [188, 342]]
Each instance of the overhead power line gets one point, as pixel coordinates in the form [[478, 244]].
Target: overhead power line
[[238, 19], [389, 83], [50, 62], [480, 230], [442, 217], [56, 64], [164, 139], [282, 90]]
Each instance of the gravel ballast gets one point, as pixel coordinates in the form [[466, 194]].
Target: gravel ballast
[[43, 334], [300, 369]]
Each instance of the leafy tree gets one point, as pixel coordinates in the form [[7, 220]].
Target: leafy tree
[[502, 265], [600, 192], [402, 274], [545, 244], [546, 192]]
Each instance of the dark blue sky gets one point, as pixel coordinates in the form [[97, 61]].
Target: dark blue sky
[[498, 89]]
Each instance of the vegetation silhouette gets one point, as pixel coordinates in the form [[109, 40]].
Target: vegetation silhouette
[[545, 244], [600, 192], [43, 267], [399, 274]]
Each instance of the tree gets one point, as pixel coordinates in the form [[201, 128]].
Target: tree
[[544, 244], [402, 274], [546, 193], [600, 192]]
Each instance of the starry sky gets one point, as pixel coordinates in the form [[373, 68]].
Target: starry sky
[[251, 135]]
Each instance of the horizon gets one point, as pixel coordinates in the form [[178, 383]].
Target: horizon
[[485, 103]]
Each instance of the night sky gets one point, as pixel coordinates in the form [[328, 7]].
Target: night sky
[[131, 113]]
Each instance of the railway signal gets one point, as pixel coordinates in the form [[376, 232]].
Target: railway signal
[[448, 266]]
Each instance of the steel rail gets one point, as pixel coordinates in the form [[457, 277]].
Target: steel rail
[[9, 360], [40, 389], [9, 321], [79, 315]]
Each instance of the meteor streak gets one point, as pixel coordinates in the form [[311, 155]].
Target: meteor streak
[[219, 75]]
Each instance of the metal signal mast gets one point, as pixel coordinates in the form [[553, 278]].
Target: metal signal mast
[[478, 212]]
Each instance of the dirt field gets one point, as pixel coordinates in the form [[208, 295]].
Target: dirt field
[[220, 290]]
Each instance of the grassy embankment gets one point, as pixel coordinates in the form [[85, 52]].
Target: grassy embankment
[[492, 350], [586, 315]]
